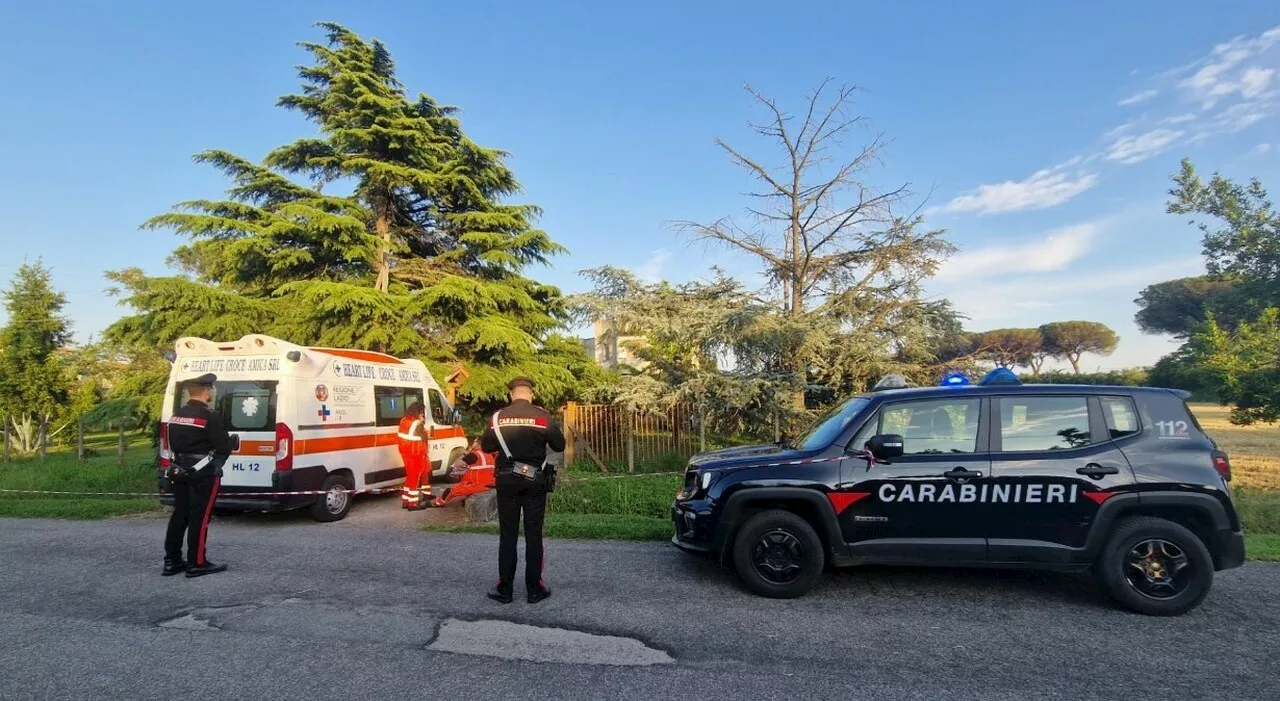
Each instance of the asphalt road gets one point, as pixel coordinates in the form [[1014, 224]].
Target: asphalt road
[[319, 611]]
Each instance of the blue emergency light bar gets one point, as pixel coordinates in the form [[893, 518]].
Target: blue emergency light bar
[[954, 379], [1000, 376]]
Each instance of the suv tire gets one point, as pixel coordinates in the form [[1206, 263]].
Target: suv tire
[[1143, 546], [777, 554], [331, 507]]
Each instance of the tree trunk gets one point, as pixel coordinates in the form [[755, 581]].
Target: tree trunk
[[80, 441], [382, 227], [120, 448], [1075, 362], [43, 439], [6, 440]]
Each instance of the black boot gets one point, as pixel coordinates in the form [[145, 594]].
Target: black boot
[[538, 593], [206, 568], [172, 567], [501, 593]]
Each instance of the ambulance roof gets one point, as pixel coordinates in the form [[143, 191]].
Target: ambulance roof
[[261, 343]]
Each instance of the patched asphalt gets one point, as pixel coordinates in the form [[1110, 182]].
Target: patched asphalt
[[353, 610]]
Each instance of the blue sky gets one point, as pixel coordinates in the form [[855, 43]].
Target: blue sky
[[1044, 133]]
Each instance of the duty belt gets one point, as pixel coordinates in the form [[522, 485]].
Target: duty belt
[[201, 460]]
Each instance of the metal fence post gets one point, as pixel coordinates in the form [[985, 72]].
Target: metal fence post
[[80, 440], [631, 441]]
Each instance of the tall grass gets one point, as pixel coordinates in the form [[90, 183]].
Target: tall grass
[[61, 472]]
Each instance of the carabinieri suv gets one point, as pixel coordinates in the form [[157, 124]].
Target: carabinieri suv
[[1118, 481]]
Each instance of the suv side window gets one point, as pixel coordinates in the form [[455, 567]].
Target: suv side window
[[1029, 423], [934, 426], [1121, 416]]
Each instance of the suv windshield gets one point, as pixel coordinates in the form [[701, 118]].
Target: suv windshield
[[827, 428]]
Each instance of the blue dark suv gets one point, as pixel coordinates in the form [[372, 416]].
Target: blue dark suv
[[1118, 481]]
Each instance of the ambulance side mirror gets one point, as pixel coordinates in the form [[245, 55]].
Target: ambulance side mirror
[[886, 446]]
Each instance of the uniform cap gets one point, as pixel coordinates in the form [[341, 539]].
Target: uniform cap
[[520, 382], [206, 379]]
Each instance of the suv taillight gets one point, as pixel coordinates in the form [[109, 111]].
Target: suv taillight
[[1222, 464], [284, 447]]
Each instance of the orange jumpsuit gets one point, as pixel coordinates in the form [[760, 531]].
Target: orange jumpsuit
[[413, 450], [478, 478]]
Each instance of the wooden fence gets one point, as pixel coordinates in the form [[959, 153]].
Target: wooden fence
[[611, 437]]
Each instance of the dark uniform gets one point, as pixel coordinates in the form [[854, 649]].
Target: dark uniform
[[528, 432], [199, 445]]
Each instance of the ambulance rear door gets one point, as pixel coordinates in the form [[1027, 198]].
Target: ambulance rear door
[[248, 409]]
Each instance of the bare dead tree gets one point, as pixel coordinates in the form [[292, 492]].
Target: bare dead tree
[[842, 251]]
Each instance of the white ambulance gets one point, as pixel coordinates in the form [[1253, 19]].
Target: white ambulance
[[310, 419]]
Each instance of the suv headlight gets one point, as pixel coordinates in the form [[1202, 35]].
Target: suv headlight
[[705, 480]]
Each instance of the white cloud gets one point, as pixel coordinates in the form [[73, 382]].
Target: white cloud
[[1135, 149], [1043, 189], [1255, 81], [1235, 118], [1219, 74], [1261, 149], [1138, 97], [651, 269], [1117, 131], [1054, 251], [1179, 119]]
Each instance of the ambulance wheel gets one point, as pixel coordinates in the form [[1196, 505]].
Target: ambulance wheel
[[777, 554], [334, 504]]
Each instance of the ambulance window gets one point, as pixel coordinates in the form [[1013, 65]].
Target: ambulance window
[[392, 402], [243, 405], [440, 413]]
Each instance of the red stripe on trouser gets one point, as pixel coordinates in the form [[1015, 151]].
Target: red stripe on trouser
[[204, 524]]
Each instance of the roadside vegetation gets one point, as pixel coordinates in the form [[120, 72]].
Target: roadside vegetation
[[99, 472]]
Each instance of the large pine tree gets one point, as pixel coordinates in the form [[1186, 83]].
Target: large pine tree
[[33, 385], [423, 257]]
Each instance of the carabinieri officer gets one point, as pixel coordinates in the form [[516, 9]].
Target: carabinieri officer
[[520, 433], [199, 444]]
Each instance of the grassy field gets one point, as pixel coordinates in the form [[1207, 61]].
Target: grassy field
[[1255, 476], [61, 472], [603, 507]]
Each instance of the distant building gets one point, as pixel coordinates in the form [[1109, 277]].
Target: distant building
[[610, 348]]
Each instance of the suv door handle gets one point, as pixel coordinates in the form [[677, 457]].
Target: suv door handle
[[1096, 471], [960, 473]]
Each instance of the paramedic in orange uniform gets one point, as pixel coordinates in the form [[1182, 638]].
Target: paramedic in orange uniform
[[413, 449], [477, 478]]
